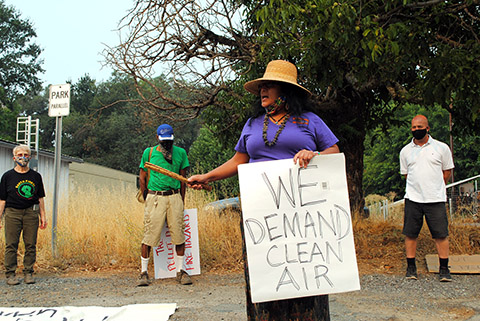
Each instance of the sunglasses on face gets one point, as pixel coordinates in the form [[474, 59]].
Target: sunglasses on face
[[266, 85]]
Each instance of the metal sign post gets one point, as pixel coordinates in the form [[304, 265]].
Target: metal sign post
[[58, 156], [58, 106]]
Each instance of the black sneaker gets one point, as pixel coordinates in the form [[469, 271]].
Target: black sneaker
[[411, 273], [444, 274]]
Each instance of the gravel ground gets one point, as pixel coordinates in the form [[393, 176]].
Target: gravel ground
[[221, 297]]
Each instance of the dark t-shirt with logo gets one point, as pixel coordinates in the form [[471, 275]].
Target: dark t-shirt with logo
[[21, 190]]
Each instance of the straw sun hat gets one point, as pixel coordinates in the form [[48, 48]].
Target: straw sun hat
[[277, 70]]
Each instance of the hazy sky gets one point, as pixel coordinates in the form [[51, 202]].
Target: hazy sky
[[72, 35]]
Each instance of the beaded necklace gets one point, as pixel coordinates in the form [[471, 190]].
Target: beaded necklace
[[265, 127]]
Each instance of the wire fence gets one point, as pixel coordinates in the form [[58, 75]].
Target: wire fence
[[463, 201]]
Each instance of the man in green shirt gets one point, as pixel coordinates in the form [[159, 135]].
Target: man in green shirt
[[164, 199]]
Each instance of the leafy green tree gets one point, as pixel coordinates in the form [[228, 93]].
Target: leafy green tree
[[206, 153], [19, 66], [356, 57], [383, 145], [8, 119], [104, 126], [363, 56], [83, 94], [466, 151], [19, 56]]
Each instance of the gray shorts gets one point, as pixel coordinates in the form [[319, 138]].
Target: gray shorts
[[435, 216]]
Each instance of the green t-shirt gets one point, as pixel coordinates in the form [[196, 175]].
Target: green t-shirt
[[158, 181]]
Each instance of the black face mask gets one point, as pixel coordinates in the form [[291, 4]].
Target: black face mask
[[419, 133], [167, 144]]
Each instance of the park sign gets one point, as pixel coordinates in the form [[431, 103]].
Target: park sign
[[59, 100], [298, 228]]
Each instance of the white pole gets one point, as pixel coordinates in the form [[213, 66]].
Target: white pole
[[28, 128], [386, 209], [450, 208]]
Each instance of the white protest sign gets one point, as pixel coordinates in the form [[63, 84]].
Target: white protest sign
[[298, 228], [164, 254], [160, 312], [59, 100]]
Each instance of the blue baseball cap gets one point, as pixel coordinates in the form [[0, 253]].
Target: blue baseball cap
[[165, 132]]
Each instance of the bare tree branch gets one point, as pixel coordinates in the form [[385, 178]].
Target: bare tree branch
[[195, 45]]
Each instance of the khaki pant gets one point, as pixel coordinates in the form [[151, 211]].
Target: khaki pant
[[159, 209], [16, 221]]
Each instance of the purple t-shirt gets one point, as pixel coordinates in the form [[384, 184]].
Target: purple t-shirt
[[307, 131]]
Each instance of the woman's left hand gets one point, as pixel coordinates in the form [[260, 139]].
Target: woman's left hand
[[303, 157]]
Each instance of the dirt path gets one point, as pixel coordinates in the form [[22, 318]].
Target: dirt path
[[221, 297]]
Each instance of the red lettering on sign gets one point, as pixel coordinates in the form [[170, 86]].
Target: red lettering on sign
[[170, 257], [160, 248], [171, 265], [188, 236], [170, 251], [189, 261]]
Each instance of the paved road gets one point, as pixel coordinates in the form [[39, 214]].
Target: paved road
[[221, 297]]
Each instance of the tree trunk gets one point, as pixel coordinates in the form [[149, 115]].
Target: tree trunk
[[348, 122], [353, 150], [301, 309]]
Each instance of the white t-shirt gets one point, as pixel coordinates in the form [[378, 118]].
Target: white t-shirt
[[424, 166]]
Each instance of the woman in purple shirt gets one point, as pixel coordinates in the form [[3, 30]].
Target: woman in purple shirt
[[283, 125]]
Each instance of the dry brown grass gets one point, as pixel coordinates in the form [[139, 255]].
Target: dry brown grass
[[380, 243], [102, 230], [97, 230], [220, 239]]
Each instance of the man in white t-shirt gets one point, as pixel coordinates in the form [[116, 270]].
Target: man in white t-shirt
[[427, 165]]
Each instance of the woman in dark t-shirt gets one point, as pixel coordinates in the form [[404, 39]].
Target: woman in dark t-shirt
[[22, 205]]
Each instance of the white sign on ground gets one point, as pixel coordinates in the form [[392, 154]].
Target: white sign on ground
[[298, 228], [164, 254], [59, 100], [160, 312]]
